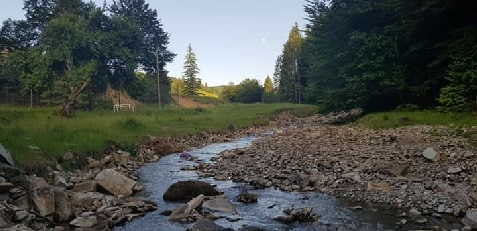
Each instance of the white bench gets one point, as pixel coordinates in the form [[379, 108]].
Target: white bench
[[118, 107]]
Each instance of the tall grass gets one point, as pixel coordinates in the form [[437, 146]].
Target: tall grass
[[393, 119], [40, 134]]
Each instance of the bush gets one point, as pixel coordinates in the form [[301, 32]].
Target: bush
[[453, 99]]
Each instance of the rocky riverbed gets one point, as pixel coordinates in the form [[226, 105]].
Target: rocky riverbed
[[98, 196], [426, 171]]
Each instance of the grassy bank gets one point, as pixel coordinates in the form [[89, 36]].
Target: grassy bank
[[395, 119], [22, 130]]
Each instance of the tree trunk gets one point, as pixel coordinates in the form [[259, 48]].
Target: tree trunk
[[31, 98], [67, 108]]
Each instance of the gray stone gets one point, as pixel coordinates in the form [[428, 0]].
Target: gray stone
[[5, 187], [470, 219], [115, 183], [414, 212], [220, 204], [431, 154], [87, 186], [18, 228], [84, 222], [187, 210], [5, 156], [454, 170], [207, 225], [20, 215], [441, 208], [44, 200]]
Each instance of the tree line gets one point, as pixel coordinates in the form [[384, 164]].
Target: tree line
[[379, 55], [66, 51]]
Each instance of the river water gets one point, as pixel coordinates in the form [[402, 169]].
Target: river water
[[335, 214]]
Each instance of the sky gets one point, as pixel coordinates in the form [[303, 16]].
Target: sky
[[232, 39]]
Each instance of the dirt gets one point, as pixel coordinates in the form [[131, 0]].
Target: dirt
[[189, 103]]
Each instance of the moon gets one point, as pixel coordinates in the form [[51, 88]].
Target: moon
[[264, 40]]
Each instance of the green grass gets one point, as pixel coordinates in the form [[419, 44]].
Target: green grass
[[207, 100], [91, 132], [393, 119]]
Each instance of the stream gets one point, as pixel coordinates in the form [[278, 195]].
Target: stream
[[335, 214]]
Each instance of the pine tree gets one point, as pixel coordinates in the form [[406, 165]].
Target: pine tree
[[268, 91], [289, 87], [191, 70]]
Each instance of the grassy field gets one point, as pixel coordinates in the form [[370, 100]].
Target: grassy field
[[40, 134], [395, 119]]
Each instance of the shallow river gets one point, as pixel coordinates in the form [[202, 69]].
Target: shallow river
[[335, 214]]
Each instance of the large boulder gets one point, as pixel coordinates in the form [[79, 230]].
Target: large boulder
[[186, 190], [42, 196], [63, 207], [220, 204], [115, 183], [5, 156]]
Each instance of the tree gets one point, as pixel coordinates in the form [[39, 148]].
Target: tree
[[154, 39], [248, 91], [69, 42], [191, 70], [268, 91], [289, 80]]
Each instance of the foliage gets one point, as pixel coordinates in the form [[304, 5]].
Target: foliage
[[191, 70], [288, 80], [68, 50], [248, 91], [269, 94], [378, 55]]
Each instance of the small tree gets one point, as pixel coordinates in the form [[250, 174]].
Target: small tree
[[268, 91], [191, 70]]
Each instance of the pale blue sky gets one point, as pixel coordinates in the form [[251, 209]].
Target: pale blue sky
[[233, 39]]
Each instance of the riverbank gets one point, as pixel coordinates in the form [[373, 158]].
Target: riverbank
[[424, 170], [33, 135]]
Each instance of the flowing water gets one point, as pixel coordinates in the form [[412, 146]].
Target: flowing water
[[335, 214]]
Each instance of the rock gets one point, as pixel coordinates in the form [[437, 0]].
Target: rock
[[186, 210], [58, 228], [247, 198], [67, 156], [37, 182], [204, 224], [87, 186], [414, 212], [18, 228], [431, 154], [233, 218], [115, 183], [421, 221], [84, 222], [5, 156], [20, 215], [5, 187], [86, 200], [285, 219], [63, 207], [44, 200], [441, 208], [454, 170], [378, 186], [186, 156], [59, 180], [303, 214], [470, 218], [397, 170], [220, 204], [186, 190], [121, 157]]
